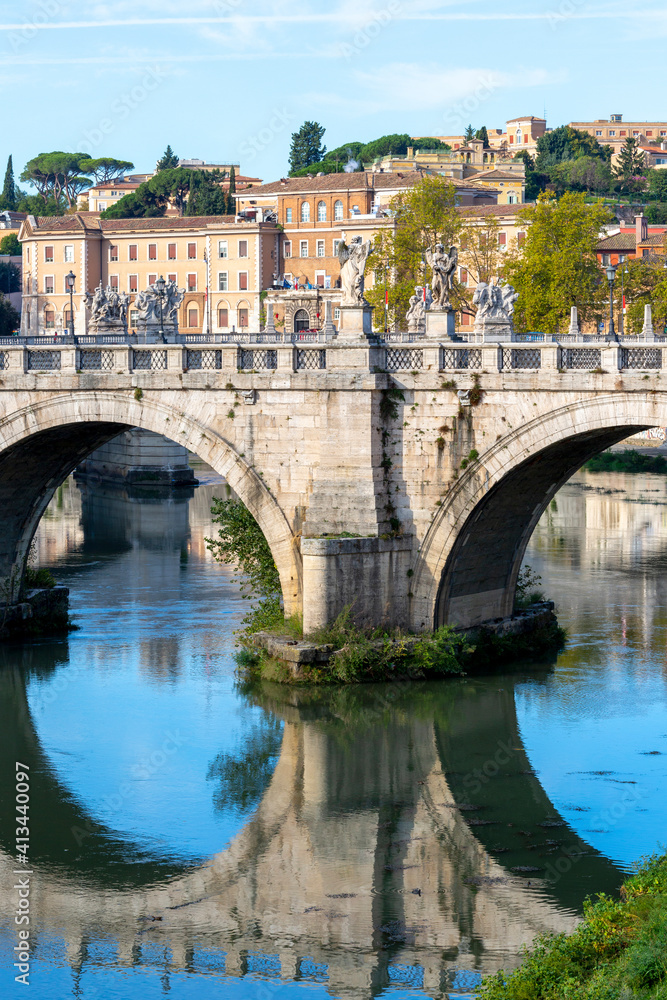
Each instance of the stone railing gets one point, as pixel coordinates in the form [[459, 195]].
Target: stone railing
[[197, 354]]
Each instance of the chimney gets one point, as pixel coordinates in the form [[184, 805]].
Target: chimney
[[641, 229], [411, 152]]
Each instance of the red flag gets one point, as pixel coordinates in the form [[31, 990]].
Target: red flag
[[424, 294]]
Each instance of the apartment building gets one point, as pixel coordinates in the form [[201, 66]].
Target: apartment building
[[614, 132], [221, 264]]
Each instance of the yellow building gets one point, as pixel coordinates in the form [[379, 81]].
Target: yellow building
[[232, 261]]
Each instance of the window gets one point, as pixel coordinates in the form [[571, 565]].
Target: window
[[649, 132], [606, 259], [305, 212], [223, 317], [172, 277], [336, 314], [338, 211], [287, 249], [322, 211], [152, 278], [623, 132], [171, 251], [133, 283], [113, 280], [243, 248], [48, 284], [192, 282], [27, 260], [113, 252], [663, 131], [336, 244], [243, 281], [520, 238], [223, 281], [355, 210], [635, 131], [222, 248], [49, 318], [192, 251], [101, 205], [69, 253], [288, 215], [525, 138], [320, 248], [193, 316], [598, 131], [646, 252], [134, 317], [612, 131], [243, 318], [464, 276], [511, 140], [502, 239], [152, 251], [303, 248], [319, 278], [133, 252]]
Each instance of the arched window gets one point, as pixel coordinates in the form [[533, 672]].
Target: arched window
[[49, 317], [244, 313], [322, 211], [192, 314], [338, 211], [67, 318], [223, 316], [305, 212], [301, 321]]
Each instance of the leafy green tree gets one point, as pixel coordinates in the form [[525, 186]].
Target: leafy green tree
[[143, 203], [425, 214], [307, 147], [324, 167], [557, 267], [630, 168], [11, 245], [482, 134], [656, 214], [566, 143], [348, 151], [34, 204], [586, 173], [232, 180], [168, 160], [58, 176], [10, 320], [8, 201], [431, 143], [469, 133], [10, 277], [657, 184], [386, 145], [208, 196], [105, 168], [645, 282]]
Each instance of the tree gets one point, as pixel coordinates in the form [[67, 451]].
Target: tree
[[168, 160], [232, 180], [10, 278], [208, 195], [469, 133], [9, 193], [586, 173], [58, 176], [657, 184], [557, 268], [645, 281], [630, 168], [424, 215], [11, 245], [566, 143], [10, 320], [482, 134], [105, 168], [307, 146]]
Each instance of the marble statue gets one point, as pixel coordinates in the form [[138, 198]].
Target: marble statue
[[443, 265], [353, 258], [495, 310], [108, 310], [149, 316], [416, 314]]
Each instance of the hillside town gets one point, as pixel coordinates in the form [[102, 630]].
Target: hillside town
[[238, 245]]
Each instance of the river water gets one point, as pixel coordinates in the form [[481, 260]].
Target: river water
[[195, 838]]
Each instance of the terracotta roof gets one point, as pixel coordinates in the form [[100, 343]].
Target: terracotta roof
[[653, 240], [497, 210], [90, 221], [500, 175], [525, 118], [619, 241], [328, 182]]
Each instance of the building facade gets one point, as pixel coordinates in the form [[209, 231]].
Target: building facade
[[614, 132], [222, 265]]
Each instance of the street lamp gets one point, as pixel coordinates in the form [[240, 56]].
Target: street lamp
[[621, 315], [70, 280], [160, 285], [611, 274]]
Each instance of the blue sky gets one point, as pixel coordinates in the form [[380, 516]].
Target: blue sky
[[232, 79]]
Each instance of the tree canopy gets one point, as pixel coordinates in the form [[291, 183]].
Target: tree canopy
[[192, 192], [567, 143], [9, 198], [630, 168], [307, 147], [557, 267], [168, 160], [10, 244], [57, 175], [105, 168], [10, 320]]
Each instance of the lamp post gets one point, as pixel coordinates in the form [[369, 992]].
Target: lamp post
[[621, 315], [611, 274], [159, 288], [70, 280]]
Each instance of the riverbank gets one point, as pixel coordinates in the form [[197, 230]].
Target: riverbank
[[41, 612], [628, 460], [619, 950], [343, 653]]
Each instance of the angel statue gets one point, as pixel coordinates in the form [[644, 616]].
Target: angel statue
[[353, 259], [418, 304], [443, 265]]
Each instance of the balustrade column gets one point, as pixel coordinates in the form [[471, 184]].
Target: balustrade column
[[610, 358], [549, 357], [490, 358]]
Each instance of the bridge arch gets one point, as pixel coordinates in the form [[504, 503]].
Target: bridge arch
[[41, 442], [467, 567]]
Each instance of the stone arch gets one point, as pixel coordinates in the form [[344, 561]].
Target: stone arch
[[468, 564], [41, 443]]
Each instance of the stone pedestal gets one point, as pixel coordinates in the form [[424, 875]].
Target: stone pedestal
[[356, 323], [440, 324], [149, 333], [329, 328], [270, 326], [573, 330], [648, 332], [494, 331]]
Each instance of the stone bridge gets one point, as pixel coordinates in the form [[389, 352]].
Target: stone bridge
[[404, 477], [352, 864]]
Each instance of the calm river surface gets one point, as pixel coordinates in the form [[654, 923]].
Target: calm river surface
[[192, 838]]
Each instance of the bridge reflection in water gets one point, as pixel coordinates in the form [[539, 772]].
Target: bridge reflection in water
[[383, 851]]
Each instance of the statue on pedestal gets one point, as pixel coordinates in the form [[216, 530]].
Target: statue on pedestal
[[155, 310], [443, 265], [108, 310], [416, 314], [495, 310], [353, 258]]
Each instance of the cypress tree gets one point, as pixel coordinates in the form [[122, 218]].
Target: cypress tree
[[9, 188]]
